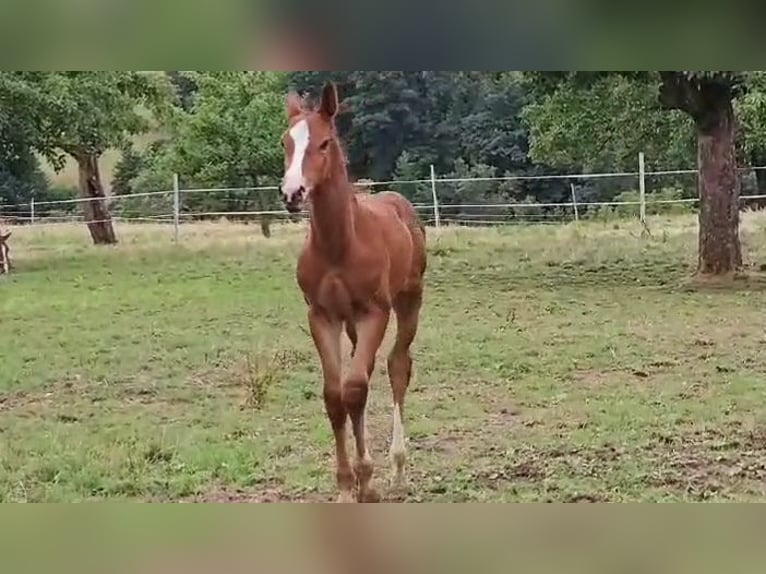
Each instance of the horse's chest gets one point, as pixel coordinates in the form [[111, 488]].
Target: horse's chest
[[342, 290], [350, 289]]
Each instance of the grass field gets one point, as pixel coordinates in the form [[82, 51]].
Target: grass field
[[553, 363]]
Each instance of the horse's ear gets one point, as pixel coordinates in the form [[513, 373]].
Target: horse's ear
[[329, 104], [294, 105]]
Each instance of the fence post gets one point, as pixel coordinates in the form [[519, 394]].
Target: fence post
[[574, 202], [641, 189], [433, 193], [32, 210], [176, 206]]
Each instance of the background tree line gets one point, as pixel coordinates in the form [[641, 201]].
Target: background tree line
[[221, 129]]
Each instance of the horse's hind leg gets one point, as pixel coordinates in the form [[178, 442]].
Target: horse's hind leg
[[407, 308]]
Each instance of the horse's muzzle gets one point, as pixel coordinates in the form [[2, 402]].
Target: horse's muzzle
[[294, 201]]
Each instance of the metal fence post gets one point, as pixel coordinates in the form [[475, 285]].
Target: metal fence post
[[176, 206], [433, 194], [574, 202], [641, 189]]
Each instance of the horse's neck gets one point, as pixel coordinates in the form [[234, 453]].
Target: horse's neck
[[332, 218]]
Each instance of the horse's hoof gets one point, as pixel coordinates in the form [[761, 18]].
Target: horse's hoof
[[370, 495], [398, 487], [345, 497]]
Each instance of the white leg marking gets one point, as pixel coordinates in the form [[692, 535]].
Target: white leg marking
[[294, 174], [398, 451], [345, 497]]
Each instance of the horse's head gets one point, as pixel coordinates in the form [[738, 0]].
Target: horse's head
[[311, 147], [5, 261]]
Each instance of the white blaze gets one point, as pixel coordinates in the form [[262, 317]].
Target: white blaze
[[293, 179]]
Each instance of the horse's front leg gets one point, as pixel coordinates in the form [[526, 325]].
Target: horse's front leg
[[370, 328], [326, 334]]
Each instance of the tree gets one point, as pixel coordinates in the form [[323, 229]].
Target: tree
[[707, 98], [185, 89], [603, 125], [90, 112], [231, 136], [82, 114], [453, 120]]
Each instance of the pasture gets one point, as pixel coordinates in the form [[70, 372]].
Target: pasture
[[553, 363]]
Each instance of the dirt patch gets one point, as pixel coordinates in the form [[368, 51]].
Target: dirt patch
[[585, 498], [267, 494], [19, 400], [501, 417], [590, 378], [535, 464], [694, 390], [709, 462], [447, 444], [750, 279], [698, 464]]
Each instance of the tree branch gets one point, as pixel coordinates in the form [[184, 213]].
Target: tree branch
[[678, 92]]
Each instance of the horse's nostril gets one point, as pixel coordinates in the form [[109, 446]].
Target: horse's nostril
[[297, 195]]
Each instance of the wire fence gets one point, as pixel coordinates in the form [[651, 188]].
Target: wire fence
[[475, 201]]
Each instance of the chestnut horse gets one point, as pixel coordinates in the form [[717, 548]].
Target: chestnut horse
[[5, 257], [364, 255]]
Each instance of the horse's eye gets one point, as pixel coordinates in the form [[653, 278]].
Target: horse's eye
[[324, 144]]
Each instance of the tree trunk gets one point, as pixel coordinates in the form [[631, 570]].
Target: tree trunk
[[719, 247], [266, 225], [95, 211], [263, 218], [707, 98]]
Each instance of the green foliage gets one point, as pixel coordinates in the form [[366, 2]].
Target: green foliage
[[604, 125], [731, 79], [231, 136], [751, 111], [436, 117], [408, 170], [20, 181], [154, 174], [126, 170], [80, 113], [228, 136], [185, 88], [662, 202], [221, 129]]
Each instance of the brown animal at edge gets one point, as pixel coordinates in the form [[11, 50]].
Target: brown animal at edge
[[5, 253], [364, 256]]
